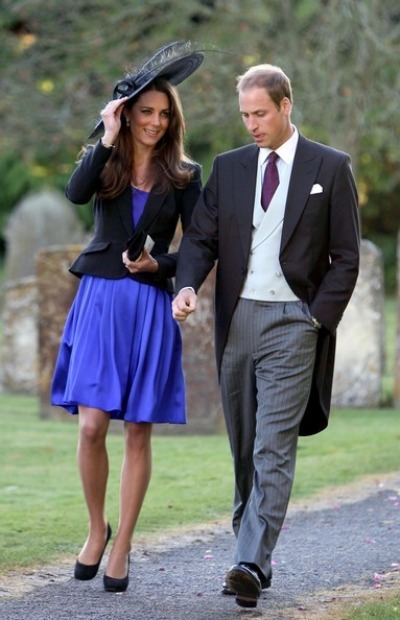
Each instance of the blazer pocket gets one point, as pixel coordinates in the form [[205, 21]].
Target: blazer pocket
[[96, 246]]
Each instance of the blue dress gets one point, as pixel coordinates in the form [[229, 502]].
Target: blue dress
[[121, 350]]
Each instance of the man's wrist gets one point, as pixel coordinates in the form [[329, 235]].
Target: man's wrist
[[190, 288]]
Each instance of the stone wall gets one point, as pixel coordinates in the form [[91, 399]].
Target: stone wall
[[204, 411], [56, 289], [35, 309]]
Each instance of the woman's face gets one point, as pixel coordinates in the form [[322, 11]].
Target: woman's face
[[149, 117]]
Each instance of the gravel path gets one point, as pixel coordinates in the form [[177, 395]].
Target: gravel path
[[335, 549]]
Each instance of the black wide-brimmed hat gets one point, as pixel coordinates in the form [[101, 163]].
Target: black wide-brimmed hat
[[174, 62]]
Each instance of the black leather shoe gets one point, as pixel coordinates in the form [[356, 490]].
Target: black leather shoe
[[246, 584], [265, 584], [111, 584], [84, 572]]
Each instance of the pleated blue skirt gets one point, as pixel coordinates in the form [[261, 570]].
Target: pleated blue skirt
[[121, 351]]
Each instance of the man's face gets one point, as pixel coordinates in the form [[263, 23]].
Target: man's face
[[268, 125]]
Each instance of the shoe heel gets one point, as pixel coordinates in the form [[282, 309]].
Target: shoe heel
[[86, 572], [112, 584], [246, 602]]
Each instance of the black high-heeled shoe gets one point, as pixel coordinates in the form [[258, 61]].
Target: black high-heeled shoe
[[85, 572], [111, 584]]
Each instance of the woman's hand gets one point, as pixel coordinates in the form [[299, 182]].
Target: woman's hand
[[144, 264], [111, 117]]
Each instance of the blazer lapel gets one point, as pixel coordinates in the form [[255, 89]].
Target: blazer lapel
[[124, 206], [306, 165], [152, 207]]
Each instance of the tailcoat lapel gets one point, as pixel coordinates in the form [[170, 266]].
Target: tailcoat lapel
[[305, 169], [244, 187], [306, 165]]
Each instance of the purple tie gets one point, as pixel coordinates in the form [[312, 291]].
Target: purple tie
[[271, 180]]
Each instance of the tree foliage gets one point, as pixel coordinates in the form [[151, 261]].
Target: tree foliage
[[60, 62]]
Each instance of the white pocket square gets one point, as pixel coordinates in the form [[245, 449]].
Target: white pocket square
[[316, 189]]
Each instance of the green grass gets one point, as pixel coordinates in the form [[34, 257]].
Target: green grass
[[384, 610], [42, 514], [357, 442]]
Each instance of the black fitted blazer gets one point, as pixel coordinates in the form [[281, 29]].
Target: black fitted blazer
[[113, 224]]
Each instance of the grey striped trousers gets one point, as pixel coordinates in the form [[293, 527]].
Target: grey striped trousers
[[265, 381]]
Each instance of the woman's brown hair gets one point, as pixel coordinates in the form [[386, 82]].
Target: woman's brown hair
[[170, 167]]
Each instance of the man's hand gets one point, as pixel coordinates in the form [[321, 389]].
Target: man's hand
[[184, 304]]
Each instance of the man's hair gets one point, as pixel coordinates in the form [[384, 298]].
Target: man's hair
[[270, 77]]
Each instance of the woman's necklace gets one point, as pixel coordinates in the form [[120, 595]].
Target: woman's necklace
[[138, 183]]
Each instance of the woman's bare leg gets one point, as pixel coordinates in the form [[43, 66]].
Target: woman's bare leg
[[135, 478], [93, 468]]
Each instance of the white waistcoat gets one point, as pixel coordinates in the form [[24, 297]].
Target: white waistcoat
[[265, 280]]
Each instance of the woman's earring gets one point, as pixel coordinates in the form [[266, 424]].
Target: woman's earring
[[128, 122]]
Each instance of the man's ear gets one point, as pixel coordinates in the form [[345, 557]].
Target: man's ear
[[286, 106]]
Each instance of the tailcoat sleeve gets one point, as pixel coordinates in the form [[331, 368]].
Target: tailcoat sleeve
[[199, 245], [186, 199]]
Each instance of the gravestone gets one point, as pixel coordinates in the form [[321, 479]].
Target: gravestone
[[19, 344], [40, 220], [360, 337]]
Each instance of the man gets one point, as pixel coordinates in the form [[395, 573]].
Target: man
[[287, 266]]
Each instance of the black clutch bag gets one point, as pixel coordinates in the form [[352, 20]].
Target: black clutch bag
[[136, 244]]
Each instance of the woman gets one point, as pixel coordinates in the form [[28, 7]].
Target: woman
[[120, 355]]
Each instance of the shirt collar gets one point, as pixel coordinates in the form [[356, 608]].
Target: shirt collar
[[286, 151]]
